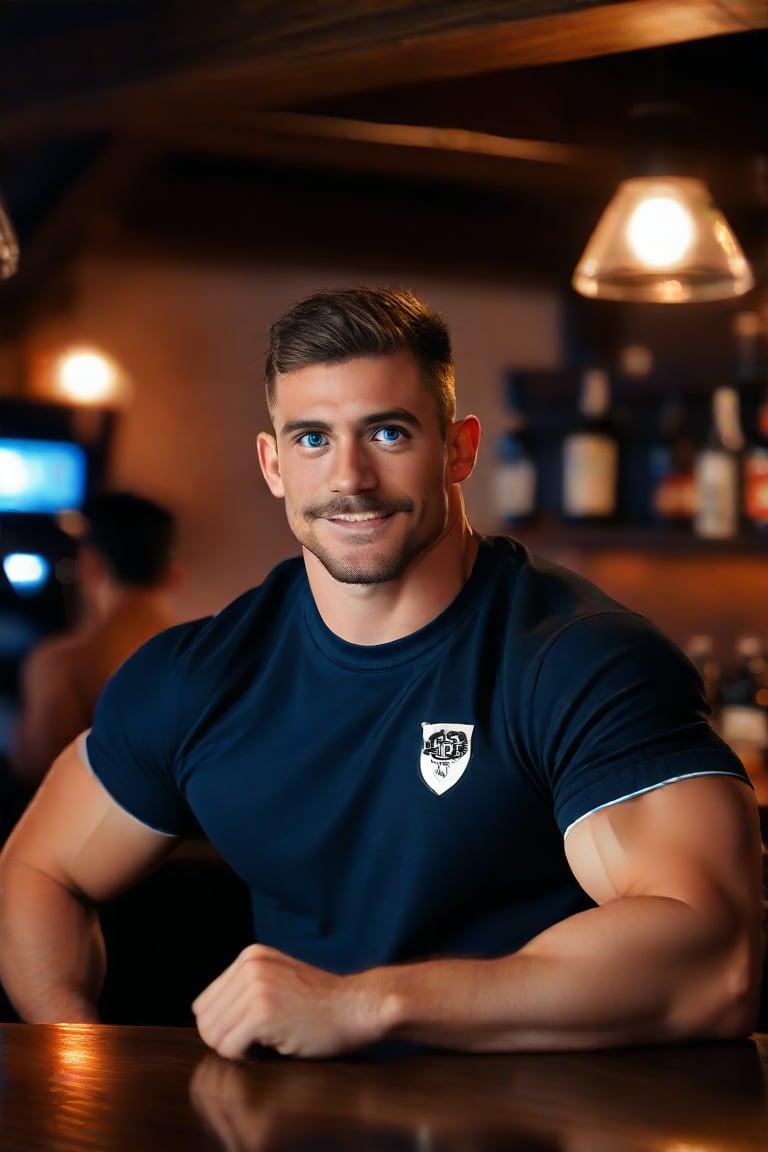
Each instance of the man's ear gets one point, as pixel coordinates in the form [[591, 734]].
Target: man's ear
[[463, 443], [270, 464]]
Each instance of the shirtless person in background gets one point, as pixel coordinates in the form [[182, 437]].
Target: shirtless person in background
[[126, 573]]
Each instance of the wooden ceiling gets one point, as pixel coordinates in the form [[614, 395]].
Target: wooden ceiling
[[481, 133]]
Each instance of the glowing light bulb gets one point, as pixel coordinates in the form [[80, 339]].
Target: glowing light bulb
[[660, 231], [86, 377]]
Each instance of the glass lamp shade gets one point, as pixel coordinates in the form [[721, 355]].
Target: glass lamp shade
[[9, 248], [662, 240]]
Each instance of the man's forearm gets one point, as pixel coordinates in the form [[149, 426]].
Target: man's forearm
[[638, 970], [52, 960]]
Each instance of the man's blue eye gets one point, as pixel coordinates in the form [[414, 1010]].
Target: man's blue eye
[[388, 435], [312, 439]]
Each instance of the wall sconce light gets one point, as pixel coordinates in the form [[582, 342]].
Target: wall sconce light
[[662, 239], [93, 385], [79, 375], [88, 376], [9, 246]]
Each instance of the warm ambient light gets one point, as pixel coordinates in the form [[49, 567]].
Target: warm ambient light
[[79, 375], [662, 239], [87, 377], [660, 231]]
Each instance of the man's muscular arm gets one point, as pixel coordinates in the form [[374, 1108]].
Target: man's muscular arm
[[673, 951], [72, 848]]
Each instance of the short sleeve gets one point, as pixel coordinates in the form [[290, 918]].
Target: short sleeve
[[618, 709], [132, 746]]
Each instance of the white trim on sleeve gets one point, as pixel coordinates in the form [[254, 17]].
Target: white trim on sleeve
[[641, 791]]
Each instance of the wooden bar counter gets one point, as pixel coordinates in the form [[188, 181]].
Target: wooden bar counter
[[112, 1087]]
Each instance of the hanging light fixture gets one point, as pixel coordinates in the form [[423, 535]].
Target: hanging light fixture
[[9, 247], [662, 239]]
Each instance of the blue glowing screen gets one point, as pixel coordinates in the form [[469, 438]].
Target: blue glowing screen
[[41, 475]]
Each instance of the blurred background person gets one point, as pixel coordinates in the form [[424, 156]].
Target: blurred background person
[[126, 573]]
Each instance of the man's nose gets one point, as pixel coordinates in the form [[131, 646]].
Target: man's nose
[[352, 468]]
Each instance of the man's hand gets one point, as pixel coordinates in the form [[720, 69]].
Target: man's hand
[[270, 999]]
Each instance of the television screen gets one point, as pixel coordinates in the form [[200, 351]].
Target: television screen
[[41, 475]]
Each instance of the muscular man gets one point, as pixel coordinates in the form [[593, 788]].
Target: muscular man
[[125, 575], [477, 802]]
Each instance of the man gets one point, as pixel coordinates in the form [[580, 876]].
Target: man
[[126, 572], [477, 802]]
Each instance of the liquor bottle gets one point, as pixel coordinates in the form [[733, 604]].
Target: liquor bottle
[[756, 470], [744, 713], [672, 479], [700, 651], [718, 470], [516, 471], [591, 454]]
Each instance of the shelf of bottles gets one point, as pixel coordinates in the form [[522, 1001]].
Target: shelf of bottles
[[599, 459], [736, 688]]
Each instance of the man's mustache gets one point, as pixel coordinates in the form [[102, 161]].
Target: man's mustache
[[343, 506]]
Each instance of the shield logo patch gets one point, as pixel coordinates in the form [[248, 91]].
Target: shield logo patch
[[445, 754]]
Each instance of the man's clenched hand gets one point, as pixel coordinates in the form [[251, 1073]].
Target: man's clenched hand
[[270, 999]]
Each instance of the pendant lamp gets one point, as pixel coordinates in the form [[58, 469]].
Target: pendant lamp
[[662, 239], [9, 248]]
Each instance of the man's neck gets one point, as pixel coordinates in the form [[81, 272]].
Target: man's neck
[[379, 613]]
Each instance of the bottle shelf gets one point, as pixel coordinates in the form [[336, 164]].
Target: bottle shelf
[[640, 417]]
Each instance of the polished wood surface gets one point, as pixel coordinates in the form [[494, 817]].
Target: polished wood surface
[[73, 1087]]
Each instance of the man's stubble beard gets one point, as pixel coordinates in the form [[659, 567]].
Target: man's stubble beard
[[354, 568], [349, 570]]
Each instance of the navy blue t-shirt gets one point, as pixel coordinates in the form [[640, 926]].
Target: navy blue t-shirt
[[410, 799]]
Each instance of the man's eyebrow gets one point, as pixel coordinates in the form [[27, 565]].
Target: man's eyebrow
[[304, 426], [373, 419], [391, 416]]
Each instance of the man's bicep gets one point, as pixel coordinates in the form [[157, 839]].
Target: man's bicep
[[74, 831], [695, 840]]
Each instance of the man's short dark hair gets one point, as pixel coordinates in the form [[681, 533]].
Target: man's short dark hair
[[334, 326], [134, 535]]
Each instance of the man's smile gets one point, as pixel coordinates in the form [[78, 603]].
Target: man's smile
[[359, 517], [360, 511]]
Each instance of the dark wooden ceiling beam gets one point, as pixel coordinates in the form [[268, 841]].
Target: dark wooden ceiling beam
[[469, 162], [359, 46], [209, 134], [422, 152], [281, 55]]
